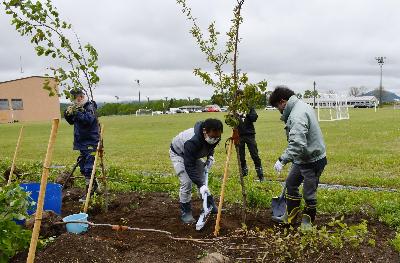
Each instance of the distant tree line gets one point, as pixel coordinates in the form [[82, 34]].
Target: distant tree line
[[127, 108], [155, 105]]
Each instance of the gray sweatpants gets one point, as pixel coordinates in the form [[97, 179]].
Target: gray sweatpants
[[310, 179], [185, 189]]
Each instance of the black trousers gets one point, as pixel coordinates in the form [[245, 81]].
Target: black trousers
[[250, 141]]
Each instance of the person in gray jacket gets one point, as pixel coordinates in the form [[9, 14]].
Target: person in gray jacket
[[186, 151], [305, 150]]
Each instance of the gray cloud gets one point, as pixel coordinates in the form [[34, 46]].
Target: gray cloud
[[333, 42]]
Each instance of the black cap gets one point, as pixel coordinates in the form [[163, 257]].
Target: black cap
[[76, 92]]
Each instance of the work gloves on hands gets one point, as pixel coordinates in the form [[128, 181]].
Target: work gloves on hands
[[203, 190], [73, 109], [278, 166], [209, 163]]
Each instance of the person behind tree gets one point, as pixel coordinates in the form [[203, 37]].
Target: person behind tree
[[247, 134], [82, 114], [305, 150], [186, 151]]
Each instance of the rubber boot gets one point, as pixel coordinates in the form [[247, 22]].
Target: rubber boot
[[308, 218], [260, 174], [245, 171], [83, 198], [186, 213], [292, 210], [95, 188], [211, 202]]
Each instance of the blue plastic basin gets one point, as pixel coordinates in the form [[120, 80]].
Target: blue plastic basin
[[76, 228], [52, 198]]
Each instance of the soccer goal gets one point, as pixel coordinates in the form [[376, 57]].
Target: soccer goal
[[331, 107], [144, 112], [396, 105]]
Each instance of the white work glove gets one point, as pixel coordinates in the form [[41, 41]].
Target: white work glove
[[209, 163], [278, 166], [203, 190]]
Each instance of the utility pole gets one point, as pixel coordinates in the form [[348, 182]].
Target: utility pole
[[148, 99], [314, 94], [381, 61]]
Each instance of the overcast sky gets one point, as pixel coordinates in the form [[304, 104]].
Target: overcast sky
[[332, 42]]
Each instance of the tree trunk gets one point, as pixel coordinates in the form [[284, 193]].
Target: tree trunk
[[243, 185]]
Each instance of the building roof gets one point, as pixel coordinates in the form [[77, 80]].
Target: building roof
[[2, 82]]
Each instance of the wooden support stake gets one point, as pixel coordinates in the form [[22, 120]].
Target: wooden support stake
[[221, 198], [93, 171], [15, 155], [42, 192], [103, 173]]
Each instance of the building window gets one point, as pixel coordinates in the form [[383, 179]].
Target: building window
[[17, 104], [4, 104]]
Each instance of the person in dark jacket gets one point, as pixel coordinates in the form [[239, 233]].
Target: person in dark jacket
[[247, 135], [186, 151], [82, 114]]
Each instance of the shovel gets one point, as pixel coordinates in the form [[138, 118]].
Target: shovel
[[206, 210], [278, 204], [63, 179]]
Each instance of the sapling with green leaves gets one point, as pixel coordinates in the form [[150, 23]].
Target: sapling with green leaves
[[231, 86], [75, 64]]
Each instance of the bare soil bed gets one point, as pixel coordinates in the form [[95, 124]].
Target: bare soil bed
[[160, 211]]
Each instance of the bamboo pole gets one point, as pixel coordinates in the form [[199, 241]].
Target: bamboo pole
[[103, 173], [42, 192], [93, 171], [221, 198], [15, 155]]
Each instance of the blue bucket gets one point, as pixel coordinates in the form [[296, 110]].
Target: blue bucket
[[52, 198], [76, 228]]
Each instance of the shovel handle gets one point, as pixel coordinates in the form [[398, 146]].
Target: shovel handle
[[283, 191]]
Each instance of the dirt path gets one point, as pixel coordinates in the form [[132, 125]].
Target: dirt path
[[159, 211]]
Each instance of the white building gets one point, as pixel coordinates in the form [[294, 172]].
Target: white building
[[326, 101]]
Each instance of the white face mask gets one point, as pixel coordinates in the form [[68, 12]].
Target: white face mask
[[82, 102], [210, 140]]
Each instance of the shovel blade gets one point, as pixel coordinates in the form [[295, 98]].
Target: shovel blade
[[278, 206], [203, 219]]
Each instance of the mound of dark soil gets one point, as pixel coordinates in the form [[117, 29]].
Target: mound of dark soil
[[160, 211]]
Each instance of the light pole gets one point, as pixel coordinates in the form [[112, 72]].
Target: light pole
[[381, 61], [138, 83], [148, 99]]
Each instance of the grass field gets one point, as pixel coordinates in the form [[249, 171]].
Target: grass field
[[362, 151]]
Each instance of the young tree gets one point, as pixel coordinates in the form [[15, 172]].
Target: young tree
[[55, 38], [310, 94], [226, 84]]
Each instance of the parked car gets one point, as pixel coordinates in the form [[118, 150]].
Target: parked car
[[182, 111], [363, 105], [270, 108], [224, 109], [212, 108]]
